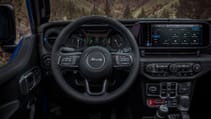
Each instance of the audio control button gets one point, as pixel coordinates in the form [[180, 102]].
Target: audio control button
[[173, 68], [150, 68], [197, 68]]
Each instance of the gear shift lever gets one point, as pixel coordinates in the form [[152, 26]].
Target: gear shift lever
[[162, 112]]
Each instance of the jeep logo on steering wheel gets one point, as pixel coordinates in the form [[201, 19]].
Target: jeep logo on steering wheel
[[94, 59]]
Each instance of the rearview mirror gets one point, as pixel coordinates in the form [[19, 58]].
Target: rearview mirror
[[7, 25]]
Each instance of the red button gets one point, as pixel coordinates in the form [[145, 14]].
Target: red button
[[155, 102]]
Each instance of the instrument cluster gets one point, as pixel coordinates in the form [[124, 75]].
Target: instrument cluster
[[82, 39]]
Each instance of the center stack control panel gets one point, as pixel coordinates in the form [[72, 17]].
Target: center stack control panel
[[171, 60], [172, 69]]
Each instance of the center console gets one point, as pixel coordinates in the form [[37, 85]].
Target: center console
[[172, 58]]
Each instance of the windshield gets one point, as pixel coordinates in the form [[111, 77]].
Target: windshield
[[121, 9], [127, 9]]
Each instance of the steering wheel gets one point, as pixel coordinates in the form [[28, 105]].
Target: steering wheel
[[95, 63]]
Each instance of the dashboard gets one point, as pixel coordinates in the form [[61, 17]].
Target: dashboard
[[169, 49], [174, 53], [155, 38], [155, 34]]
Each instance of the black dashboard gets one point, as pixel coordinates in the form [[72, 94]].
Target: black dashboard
[[174, 53], [150, 34], [184, 43]]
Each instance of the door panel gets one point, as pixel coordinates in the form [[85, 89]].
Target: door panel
[[21, 75]]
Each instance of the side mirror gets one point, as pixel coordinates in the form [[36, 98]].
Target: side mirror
[[7, 25]]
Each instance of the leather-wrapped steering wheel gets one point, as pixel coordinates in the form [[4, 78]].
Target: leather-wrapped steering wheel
[[95, 62]]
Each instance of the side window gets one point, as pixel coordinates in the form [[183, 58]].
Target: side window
[[22, 21], [22, 27]]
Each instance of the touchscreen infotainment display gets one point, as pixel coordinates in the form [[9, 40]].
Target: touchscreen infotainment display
[[174, 35]]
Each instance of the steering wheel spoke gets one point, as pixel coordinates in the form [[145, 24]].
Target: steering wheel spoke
[[122, 60], [103, 90], [69, 60]]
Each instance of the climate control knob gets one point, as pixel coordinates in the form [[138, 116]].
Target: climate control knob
[[173, 68], [150, 68], [196, 67]]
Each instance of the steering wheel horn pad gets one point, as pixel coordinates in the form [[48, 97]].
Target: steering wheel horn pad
[[96, 63]]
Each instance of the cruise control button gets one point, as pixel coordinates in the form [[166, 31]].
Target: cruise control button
[[124, 59], [68, 60]]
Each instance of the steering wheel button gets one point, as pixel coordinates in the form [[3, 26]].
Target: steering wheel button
[[66, 60], [124, 59]]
